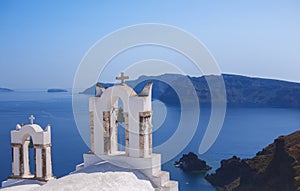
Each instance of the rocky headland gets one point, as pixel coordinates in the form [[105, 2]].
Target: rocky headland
[[275, 168], [241, 91]]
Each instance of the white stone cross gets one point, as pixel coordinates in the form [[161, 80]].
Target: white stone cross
[[31, 118], [122, 78]]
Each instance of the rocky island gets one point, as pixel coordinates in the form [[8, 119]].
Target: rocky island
[[275, 168], [56, 90], [5, 90], [191, 163]]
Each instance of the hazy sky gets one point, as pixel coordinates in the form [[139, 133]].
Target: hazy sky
[[43, 42]]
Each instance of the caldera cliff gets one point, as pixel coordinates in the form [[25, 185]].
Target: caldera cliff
[[275, 168]]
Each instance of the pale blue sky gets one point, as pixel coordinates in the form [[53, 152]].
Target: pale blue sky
[[43, 42]]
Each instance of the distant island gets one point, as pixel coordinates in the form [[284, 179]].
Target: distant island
[[6, 90], [241, 91], [275, 168], [56, 90]]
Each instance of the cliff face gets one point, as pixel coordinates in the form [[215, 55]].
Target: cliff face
[[275, 168], [241, 91]]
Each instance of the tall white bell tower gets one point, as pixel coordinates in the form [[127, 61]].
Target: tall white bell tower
[[137, 112]]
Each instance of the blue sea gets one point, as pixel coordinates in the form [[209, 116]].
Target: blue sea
[[245, 132]]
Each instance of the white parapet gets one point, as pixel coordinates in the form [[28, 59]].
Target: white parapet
[[150, 167]]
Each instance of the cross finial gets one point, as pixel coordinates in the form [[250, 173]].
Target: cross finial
[[31, 118], [122, 78]]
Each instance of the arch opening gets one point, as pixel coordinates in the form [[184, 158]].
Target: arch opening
[[121, 126], [118, 135], [28, 158]]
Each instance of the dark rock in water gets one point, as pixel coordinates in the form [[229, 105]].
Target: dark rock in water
[[5, 90], [56, 90], [275, 168], [191, 162]]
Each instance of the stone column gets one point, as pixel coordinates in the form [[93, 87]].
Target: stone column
[[34, 157], [150, 135], [38, 161], [126, 133], [21, 159], [43, 162], [145, 133], [16, 163], [113, 132], [48, 173], [92, 138], [106, 132], [26, 169]]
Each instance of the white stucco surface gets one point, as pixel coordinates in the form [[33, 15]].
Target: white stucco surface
[[96, 181], [28, 187], [39, 136]]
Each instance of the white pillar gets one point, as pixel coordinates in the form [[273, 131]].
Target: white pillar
[[92, 138], [99, 134], [113, 132], [134, 150], [38, 162], [26, 168], [16, 159], [126, 133], [43, 162], [97, 124], [145, 133], [48, 163]]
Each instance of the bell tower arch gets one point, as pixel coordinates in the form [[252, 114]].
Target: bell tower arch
[[41, 142]]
